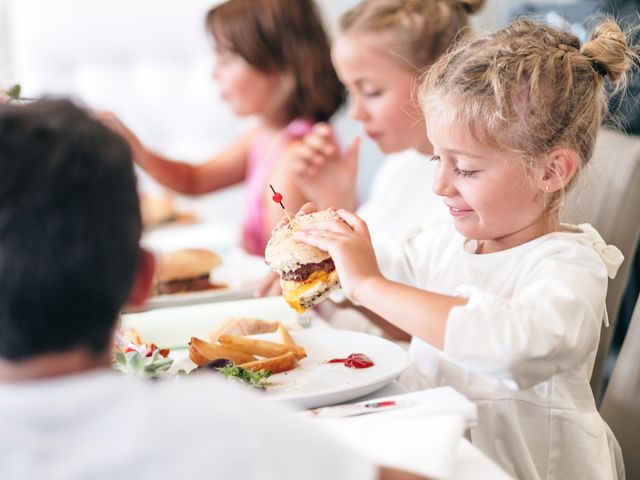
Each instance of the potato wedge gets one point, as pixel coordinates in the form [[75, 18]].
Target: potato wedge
[[299, 351], [197, 358], [281, 363], [261, 348], [212, 351]]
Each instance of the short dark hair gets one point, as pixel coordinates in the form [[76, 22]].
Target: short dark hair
[[69, 229], [283, 36]]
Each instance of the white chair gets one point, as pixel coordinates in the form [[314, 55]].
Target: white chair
[[610, 201], [621, 404]]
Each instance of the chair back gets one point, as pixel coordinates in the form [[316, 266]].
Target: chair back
[[610, 201], [621, 404]]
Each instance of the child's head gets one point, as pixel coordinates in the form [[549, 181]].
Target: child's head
[[382, 47], [274, 60], [69, 230], [531, 92]]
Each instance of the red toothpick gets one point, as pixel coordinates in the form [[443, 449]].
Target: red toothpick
[[277, 197]]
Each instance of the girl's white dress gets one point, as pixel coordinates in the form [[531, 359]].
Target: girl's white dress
[[523, 347]]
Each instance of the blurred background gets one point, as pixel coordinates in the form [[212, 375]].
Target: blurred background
[[149, 61]]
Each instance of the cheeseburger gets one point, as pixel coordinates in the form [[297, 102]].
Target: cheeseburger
[[185, 271], [307, 274]]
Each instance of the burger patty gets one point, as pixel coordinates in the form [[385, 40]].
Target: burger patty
[[305, 271], [187, 285]]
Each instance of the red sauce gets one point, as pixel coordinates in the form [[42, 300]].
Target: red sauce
[[355, 360]]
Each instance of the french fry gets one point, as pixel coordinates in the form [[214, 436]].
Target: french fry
[[261, 348], [287, 340], [210, 351], [281, 363]]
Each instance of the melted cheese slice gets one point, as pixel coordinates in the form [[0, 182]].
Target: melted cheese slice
[[292, 291]]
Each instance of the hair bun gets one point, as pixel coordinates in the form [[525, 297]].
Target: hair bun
[[471, 6], [609, 51]]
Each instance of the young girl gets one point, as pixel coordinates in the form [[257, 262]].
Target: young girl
[[379, 55], [382, 47], [506, 307], [272, 62]]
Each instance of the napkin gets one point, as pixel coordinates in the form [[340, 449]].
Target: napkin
[[421, 438], [434, 401]]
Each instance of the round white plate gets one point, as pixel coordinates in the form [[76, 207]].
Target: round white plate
[[316, 383], [240, 272]]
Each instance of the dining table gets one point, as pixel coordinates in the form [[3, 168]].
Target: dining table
[[417, 439]]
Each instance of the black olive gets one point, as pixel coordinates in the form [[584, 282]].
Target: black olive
[[218, 363]]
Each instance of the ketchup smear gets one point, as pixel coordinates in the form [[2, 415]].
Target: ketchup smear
[[355, 360]]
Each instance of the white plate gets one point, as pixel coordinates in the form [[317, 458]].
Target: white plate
[[174, 327], [316, 383], [242, 273]]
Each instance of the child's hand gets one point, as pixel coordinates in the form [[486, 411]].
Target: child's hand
[[349, 244], [324, 174], [304, 209], [269, 286]]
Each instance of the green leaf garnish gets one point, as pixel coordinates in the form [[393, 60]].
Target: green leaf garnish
[[255, 379], [152, 367], [14, 94]]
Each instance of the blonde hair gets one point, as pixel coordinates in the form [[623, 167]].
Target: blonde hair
[[531, 88], [421, 30]]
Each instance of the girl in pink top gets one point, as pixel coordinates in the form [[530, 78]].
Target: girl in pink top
[[272, 62], [262, 158]]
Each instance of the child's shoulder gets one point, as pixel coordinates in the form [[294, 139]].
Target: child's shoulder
[[579, 244]]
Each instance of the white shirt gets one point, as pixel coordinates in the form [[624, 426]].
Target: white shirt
[[105, 425], [402, 197], [523, 347]]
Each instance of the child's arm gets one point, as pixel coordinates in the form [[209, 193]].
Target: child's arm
[[418, 312], [282, 178], [224, 169]]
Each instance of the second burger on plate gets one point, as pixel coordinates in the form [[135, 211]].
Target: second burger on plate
[[186, 270]]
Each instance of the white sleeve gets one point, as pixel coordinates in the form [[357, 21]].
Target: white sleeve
[[393, 255], [551, 324]]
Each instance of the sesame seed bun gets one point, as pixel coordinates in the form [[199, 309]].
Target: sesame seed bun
[[285, 254], [186, 264]]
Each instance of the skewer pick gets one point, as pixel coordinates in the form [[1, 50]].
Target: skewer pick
[[277, 197]]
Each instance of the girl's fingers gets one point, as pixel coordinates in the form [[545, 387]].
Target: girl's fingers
[[304, 209], [315, 141], [322, 129], [318, 160], [322, 240], [310, 171], [354, 221], [269, 286], [304, 153], [327, 226], [308, 207]]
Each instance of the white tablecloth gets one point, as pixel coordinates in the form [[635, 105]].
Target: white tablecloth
[[432, 453]]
